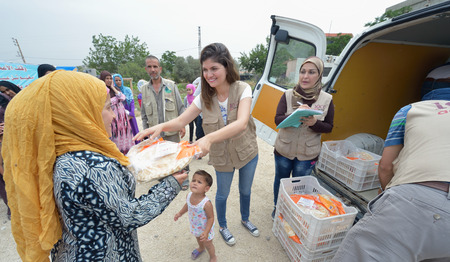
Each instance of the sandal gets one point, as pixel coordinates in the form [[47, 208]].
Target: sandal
[[195, 254]]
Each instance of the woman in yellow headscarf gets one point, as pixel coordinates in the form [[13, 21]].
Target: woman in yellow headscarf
[[61, 167]]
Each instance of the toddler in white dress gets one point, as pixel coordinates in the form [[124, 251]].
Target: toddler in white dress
[[201, 214]]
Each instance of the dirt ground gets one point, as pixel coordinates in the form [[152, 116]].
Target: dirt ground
[[165, 240]]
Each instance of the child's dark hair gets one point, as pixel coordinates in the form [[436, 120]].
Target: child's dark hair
[[208, 178]]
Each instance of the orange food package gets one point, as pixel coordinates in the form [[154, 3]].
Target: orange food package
[[156, 159], [288, 229], [319, 205]]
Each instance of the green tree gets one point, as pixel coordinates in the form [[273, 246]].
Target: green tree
[[195, 66], [283, 54], [135, 70], [388, 15], [108, 53], [180, 69], [336, 44], [255, 60], [186, 69], [167, 62]]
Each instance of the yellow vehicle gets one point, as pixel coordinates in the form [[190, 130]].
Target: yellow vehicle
[[378, 72]]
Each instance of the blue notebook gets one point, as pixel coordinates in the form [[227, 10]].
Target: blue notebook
[[293, 120]]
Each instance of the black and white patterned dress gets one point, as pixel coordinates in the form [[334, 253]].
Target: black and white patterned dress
[[99, 213]]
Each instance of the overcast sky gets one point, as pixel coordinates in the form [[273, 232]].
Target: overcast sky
[[60, 32]]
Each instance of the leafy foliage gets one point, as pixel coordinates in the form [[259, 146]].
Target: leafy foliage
[[133, 69], [388, 15], [256, 59], [279, 66], [336, 44], [109, 54], [186, 69], [167, 62]]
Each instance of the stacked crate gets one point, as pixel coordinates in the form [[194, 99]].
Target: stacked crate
[[357, 174], [319, 237]]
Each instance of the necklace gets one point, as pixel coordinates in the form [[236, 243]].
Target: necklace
[[222, 97]]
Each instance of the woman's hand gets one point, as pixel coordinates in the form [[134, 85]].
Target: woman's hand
[[154, 131], [304, 106], [309, 121], [204, 144], [180, 176], [182, 132], [114, 89]]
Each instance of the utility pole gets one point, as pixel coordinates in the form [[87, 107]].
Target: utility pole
[[19, 53], [199, 42]]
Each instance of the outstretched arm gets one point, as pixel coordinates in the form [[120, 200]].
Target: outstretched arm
[[229, 130], [183, 210], [175, 124]]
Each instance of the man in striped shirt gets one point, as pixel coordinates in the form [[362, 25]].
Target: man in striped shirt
[[410, 220]]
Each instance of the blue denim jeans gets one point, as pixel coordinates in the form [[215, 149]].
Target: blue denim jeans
[[224, 179], [283, 168]]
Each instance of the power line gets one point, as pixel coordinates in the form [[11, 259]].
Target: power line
[[16, 43], [56, 58]]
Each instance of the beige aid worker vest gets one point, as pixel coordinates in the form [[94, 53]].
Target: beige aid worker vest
[[169, 100], [301, 142], [426, 148], [236, 151]]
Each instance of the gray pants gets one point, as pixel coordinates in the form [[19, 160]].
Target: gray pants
[[406, 223], [174, 138]]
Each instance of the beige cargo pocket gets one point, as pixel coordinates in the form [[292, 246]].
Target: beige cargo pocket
[[244, 147], [148, 108], [312, 148], [217, 154], [210, 125], [170, 104]]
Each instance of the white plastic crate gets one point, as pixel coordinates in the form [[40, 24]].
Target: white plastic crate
[[314, 233], [357, 174], [298, 252]]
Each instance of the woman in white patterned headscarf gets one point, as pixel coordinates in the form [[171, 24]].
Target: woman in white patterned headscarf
[[297, 148]]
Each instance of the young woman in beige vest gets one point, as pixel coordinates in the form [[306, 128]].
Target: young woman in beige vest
[[297, 148], [230, 137]]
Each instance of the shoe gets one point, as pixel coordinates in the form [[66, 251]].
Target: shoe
[[195, 254], [251, 228], [185, 185], [273, 213], [227, 236]]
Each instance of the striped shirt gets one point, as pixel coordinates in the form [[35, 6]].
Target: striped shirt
[[396, 134]]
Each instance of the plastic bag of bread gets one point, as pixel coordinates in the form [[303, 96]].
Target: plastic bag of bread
[[318, 205], [359, 155], [288, 229], [156, 159]]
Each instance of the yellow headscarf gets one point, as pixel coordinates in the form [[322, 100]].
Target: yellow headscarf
[[56, 114]]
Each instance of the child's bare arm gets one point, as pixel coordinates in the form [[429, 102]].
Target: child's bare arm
[[183, 210], [209, 222]]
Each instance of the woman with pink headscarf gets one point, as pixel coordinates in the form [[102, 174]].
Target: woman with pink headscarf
[[190, 89]]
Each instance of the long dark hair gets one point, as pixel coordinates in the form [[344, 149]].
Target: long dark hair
[[219, 53], [102, 77]]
